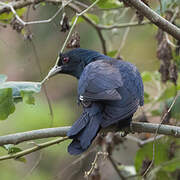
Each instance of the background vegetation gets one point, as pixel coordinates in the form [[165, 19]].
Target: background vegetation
[[27, 54]]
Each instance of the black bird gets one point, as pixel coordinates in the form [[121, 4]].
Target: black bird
[[109, 90]]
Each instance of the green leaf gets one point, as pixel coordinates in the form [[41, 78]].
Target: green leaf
[[112, 53], [6, 103], [161, 154], [146, 98], [28, 97], [93, 17], [11, 149], [146, 76], [6, 17], [107, 4], [15, 91], [80, 19], [43, 4], [164, 170], [168, 93], [175, 113], [172, 165], [18, 86], [162, 175]]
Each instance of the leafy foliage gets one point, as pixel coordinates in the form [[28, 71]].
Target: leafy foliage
[[112, 53], [165, 97], [166, 158], [7, 17], [169, 92], [146, 152], [157, 95], [146, 76], [169, 4], [7, 106], [107, 4], [93, 17], [11, 149], [15, 91]]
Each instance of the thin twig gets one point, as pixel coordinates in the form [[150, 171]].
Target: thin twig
[[33, 149], [122, 25], [160, 5], [83, 156], [68, 36], [156, 133], [138, 4], [100, 27], [125, 37], [34, 22], [166, 163], [115, 168], [43, 85], [103, 42], [40, 69], [94, 163], [166, 35], [169, 42], [77, 16], [155, 18], [81, 4], [143, 142], [97, 27]]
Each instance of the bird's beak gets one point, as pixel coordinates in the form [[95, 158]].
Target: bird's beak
[[55, 70]]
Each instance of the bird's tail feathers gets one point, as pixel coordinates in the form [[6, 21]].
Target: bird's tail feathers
[[83, 131], [79, 125]]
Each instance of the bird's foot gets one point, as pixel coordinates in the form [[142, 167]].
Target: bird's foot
[[124, 133], [131, 129]]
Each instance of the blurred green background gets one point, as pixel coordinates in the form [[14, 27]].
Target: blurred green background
[[19, 64]]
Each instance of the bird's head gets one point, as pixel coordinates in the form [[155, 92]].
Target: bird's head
[[73, 62]]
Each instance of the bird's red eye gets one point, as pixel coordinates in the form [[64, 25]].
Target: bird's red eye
[[65, 60]]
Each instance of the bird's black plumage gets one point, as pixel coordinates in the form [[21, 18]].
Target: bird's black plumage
[[110, 91]]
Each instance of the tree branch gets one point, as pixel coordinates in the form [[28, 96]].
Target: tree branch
[[80, 13], [151, 128], [10, 5], [20, 4], [156, 18], [98, 27], [33, 149], [138, 4], [143, 142], [32, 135], [122, 25], [62, 131]]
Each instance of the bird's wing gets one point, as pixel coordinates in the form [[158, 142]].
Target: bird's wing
[[132, 81], [100, 81]]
